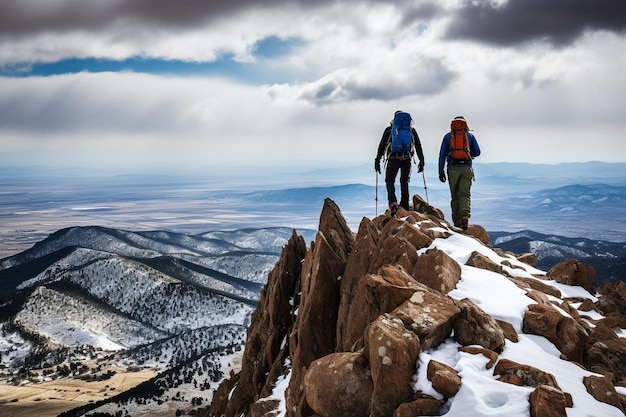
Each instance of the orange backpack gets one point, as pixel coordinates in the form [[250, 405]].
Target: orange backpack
[[459, 142]]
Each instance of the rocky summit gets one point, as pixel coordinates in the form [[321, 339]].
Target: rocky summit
[[379, 323]]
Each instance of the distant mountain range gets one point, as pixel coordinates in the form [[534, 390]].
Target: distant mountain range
[[607, 258], [506, 196]]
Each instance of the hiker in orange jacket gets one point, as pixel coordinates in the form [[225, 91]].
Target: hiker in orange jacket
[[458, 148]]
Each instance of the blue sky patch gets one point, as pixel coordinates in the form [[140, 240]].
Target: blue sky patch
[[274, 47], [226, 66]]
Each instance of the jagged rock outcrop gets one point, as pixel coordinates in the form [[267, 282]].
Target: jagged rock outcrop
[[347, 321], [314, 332], [271, 323]]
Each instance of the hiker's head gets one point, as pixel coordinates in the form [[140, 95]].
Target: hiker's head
[[396, 113], [459, 123]]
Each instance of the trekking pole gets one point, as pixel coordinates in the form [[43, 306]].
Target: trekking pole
[[376, 194], [425, 188]]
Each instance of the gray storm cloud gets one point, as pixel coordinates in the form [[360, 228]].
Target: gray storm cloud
[[559, 22], [514, 22], [32, 16]]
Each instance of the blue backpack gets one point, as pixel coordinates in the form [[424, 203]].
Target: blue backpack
[[401, 135]]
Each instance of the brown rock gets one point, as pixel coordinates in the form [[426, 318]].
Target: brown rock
[[445, 380], [221, 397], [314, 332], [508, 330], [569, 309], [437, 270], [528, 259], [572, 337], [489, 354], [419, 407], [264, 408], [318, 305], [475, 327], [607, 355], [339, 384], [422, 206], [587, 305], [602, 389], [572, 272], [393, 250], [392, 352], [512, 265], [523, 375], [542, 319], [478, 260], [335, 229], [538, 297], [360, 263], [415, 237], [612, 301], [614, 321], [478, 232], [429, 314], [536, 284], [375, 295], [547, 401], [564, 332]]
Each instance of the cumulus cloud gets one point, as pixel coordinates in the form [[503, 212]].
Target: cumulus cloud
[[396, 79], [514, 22], [191, 30]]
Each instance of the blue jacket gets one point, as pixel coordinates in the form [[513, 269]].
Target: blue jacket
[[445, 151]]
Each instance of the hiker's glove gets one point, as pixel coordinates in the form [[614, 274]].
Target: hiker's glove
[[420, 167], [377, 165], [442, 177]]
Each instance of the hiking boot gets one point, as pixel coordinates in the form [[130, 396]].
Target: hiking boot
[[464, 222], [394, 208]]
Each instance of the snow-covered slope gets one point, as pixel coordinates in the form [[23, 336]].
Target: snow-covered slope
[[481, 392], [115, 290]]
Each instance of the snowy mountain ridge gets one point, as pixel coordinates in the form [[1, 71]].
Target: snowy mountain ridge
[[410, 316], [109, 298]]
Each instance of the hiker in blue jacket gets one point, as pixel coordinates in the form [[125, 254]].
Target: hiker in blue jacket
[[398, 161], [458, 148]]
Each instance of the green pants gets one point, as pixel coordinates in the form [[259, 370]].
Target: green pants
[[460, 177]]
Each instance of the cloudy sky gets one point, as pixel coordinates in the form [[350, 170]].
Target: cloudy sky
[[165, 85]]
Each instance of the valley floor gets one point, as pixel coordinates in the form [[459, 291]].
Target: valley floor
[[54, 397]]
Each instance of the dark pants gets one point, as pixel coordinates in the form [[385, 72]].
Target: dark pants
[[393, 166], [460, 179]]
